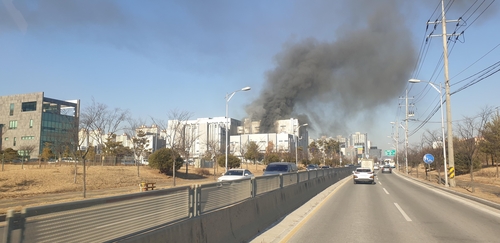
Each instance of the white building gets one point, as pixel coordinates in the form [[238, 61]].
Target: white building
[[207, 134]]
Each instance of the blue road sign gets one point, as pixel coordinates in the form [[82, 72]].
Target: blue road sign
[[428, 158]]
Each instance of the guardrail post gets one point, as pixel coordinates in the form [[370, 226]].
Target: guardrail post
[[254, 187], [14, 221], [197, 201], [281, 180], [192, 201], [298, 177]]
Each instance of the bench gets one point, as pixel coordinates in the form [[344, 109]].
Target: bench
[[146, 186]]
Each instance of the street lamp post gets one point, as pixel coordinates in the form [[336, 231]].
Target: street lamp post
[[228, 98], [297, 143], [440, 90]]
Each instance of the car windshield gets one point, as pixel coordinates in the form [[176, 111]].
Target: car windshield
[[363, 170], [311, 166], [234, 172], [277, 168]]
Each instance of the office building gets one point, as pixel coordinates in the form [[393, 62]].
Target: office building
[[31, 121]]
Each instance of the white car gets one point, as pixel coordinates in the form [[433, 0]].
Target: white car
[[376, 167], [363, 175], [236, 174]]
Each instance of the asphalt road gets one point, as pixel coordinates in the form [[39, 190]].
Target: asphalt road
[[395, 209]]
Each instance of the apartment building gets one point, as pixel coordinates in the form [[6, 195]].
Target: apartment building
[[31, 121]]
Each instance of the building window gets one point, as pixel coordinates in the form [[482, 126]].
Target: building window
[[12, 124], [6, 139], [14, 142], [28, 106], [11, 109], [27, 137], [31, 123]]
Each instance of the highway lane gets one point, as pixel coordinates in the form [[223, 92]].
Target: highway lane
[[396, 209]]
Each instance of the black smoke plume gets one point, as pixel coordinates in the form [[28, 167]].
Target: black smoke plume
[[326, 83]]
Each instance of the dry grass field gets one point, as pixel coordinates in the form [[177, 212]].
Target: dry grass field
[[487, 185], [38, 185]]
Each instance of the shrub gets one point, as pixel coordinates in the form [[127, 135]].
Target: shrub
[[202, 171], [162, 160], [232, 161]]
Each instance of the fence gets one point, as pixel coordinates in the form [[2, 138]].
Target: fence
[[119, 217]]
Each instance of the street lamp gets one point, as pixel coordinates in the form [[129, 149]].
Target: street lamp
[[440, 90], [297, 143], [228, 98]]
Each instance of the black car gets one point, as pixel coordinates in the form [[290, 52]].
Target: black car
[[386, 169]]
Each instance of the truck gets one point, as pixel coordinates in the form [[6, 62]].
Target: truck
[[390, 162], [367, 163]]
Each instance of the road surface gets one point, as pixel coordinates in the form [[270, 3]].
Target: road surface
[[395, 209]]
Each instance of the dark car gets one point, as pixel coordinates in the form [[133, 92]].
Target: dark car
[[276, 168], [386, 169]]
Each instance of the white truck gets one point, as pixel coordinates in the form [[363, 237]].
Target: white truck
[[367, 163]]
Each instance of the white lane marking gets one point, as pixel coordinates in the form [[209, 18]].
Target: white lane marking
[[386, 192], [402, 212]]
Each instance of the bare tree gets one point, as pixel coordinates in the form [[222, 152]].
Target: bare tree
[[139, 142], [214, 150], [104, 121], [2, 128], [470, 132], [26, 150], [173, 128], [188, 136], [490, 144], [95, 121]]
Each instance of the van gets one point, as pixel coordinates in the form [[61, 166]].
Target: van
[[276, 168]]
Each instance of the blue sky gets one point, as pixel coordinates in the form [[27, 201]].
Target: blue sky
[[151, 57]]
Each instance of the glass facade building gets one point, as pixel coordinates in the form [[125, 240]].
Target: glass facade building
[[29, 122]]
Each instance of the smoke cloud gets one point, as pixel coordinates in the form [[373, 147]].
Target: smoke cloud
[[325, 83]]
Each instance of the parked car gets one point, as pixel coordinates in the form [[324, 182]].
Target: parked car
[[127, 162], [312, 167], [275, 168], [236, 174], [387, 169], [363, 175]]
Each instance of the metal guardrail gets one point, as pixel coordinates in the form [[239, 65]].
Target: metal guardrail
[[102, 219], [114, 218], [220, 194]]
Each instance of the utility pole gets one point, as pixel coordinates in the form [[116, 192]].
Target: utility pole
[[407, 115], [395, 137], [406, 133], [397, 144], [451, 156]]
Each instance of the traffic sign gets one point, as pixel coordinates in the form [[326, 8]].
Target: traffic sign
[[390, 152], [428, 158]]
